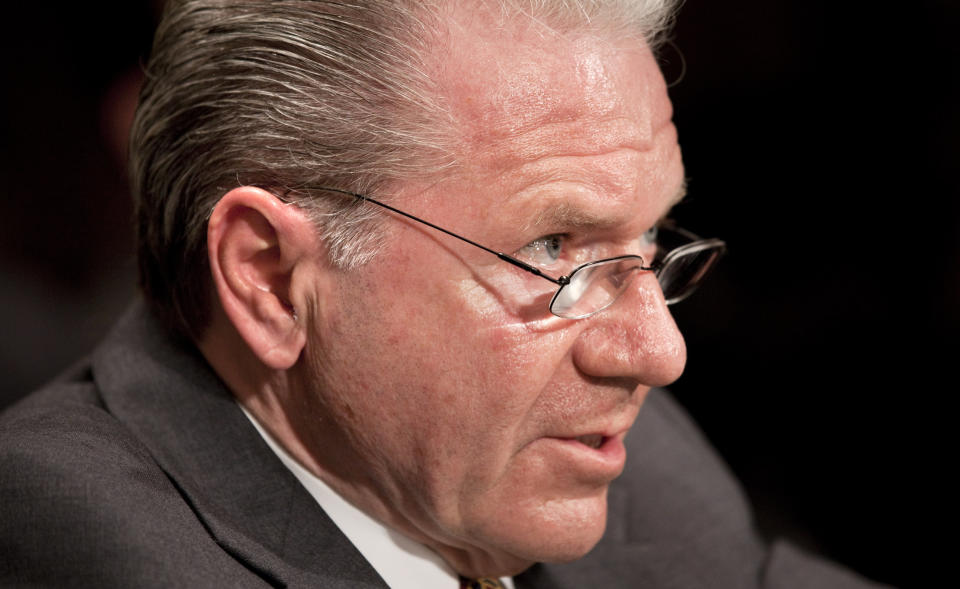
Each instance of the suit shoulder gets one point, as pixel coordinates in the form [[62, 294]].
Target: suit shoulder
[[63, 428], [85, 504]]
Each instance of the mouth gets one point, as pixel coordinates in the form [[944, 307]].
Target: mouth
[[594, 457], [591, 440]]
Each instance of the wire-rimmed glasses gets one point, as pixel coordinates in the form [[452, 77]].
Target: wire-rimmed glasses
[[681, 263]]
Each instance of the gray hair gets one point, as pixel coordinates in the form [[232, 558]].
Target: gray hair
[[293, 94]]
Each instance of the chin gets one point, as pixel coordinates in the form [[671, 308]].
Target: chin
[[551, 549], [570, 528], [555, 531], [577, 542]]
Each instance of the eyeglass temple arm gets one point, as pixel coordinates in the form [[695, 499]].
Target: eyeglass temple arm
[[518, 263]]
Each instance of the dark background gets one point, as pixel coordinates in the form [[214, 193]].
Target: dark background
[[821, 142]]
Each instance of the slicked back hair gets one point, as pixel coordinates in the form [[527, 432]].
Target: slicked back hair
[[292, 94]]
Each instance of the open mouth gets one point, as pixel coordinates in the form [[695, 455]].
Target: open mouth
[[589, 457], [592, 440]]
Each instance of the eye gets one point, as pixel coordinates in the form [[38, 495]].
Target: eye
[[544, 250], [648, 243], [649, 238]]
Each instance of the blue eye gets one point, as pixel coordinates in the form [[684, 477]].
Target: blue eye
[[650, 236], [648, 243], [544, 250]]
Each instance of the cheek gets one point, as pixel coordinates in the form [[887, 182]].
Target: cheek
[[430, 386]]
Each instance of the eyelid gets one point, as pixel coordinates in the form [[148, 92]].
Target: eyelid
[[545, 239], [572, 242]]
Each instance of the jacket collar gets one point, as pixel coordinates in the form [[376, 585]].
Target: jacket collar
[[162, 389]]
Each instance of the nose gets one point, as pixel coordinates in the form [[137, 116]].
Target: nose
[[636, 337]]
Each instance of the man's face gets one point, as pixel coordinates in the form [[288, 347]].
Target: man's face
[[442, 396]]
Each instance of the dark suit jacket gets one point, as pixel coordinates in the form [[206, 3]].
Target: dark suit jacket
[[139, 470]]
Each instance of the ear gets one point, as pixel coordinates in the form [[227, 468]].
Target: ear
[[257, 245]]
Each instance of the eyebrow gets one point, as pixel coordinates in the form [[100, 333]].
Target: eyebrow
[[566, 215]]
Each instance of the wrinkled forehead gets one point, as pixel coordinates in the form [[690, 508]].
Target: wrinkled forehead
[[535, 89]]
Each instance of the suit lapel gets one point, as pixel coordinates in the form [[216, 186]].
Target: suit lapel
[[162, 389]]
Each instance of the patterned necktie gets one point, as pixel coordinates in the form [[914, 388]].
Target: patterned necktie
[[484, 583]]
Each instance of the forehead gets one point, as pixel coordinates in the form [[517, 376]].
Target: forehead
[[532, 106]]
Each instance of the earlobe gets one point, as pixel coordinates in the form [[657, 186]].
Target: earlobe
[[255, 244]]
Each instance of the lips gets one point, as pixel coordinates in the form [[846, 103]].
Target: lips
[[589, 459], [586, 450]]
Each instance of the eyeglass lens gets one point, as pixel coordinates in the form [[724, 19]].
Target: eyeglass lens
[[684, 268], [595, 286]]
